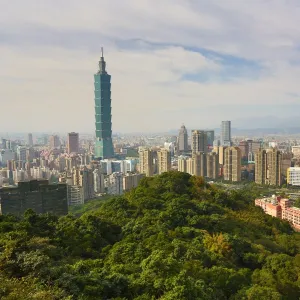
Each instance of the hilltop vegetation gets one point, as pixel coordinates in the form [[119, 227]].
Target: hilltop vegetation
[[173, 237]]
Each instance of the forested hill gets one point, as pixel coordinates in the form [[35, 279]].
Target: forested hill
[[173, 237]]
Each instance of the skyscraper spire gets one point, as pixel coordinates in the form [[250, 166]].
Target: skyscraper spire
[[102, 64]]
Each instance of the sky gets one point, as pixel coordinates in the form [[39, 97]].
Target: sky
[[196, 62]]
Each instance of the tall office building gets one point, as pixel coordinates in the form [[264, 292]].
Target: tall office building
[[199, 141], [164, 160], [30, 140], [183, 140], [103, 145], [268, 167], [73, 142], [226, 133], [54, 141], [210, 137], [232, 164], [146, 162]]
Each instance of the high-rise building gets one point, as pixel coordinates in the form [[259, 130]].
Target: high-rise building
[[54, 141], [30, 140], [103, 145], [183, 140], [199, 141], [164, 160], [146, 164], [244, 146], [268, 167], [73, 142], [212, 165], [226, 133], [293, 176], [199, 164], [232, 164], [210, 137]]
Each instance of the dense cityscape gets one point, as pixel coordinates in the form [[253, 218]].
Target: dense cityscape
[[170, 171], [80, 169]]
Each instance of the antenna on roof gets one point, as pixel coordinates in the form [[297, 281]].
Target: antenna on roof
[[101, 51]]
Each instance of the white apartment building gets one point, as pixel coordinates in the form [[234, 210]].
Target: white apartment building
[[293, 176]]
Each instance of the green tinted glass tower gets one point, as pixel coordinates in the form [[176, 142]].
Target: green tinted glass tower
[[103, 145]]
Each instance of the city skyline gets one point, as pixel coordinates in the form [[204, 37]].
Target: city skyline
[[217, 61]]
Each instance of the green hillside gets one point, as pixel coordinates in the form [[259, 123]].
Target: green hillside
[[173, 237]]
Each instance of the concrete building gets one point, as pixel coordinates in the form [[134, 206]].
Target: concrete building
[[268, 167], [5, 156], [146, 162], [30, 140], [131, 181], [183, 140], [226, 133], [232, 164], [210, 137], [39, 196], [54, 142], [103, 145], [280, 208], [99, 187], [21, 153], [199, 164], [163, 160], [244, 146], [73, 142], [75, 195], [293, 176], [114, 184], [199, 141], [84, 177], [212, 165], [296, 151]]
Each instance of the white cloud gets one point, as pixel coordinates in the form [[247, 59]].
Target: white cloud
[[51, 50]]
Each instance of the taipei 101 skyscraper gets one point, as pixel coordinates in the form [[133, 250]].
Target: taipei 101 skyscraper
[[103, 145]]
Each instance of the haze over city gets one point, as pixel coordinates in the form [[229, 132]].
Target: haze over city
[[173, 62]]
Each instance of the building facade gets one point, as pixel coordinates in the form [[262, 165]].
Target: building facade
[[163, 160], [293, 176], [226, 133], [40, 196], [103, 145], [199, 141], [146, 162], [232, 164], [183, 140], [73, 142]]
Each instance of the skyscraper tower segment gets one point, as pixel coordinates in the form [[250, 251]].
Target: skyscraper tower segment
[[103, 144]]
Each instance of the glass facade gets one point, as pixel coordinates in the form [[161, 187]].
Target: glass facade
[[103, 145]]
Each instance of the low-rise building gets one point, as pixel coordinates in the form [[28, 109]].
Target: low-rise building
[[280, 208]]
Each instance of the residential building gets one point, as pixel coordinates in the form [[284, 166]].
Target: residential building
[[296, 151], [99, 187], [39, 196], [226, 133], [293, 176], [73, 142], [244, 146], [199, 141], [232, 164], [199, 164], [268, 167], [114, 184], [131, 181], [280, 208], [103, 145], [212, 165], [146, 162], [164, 160]]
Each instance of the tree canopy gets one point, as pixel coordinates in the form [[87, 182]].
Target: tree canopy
[[172, 237]]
